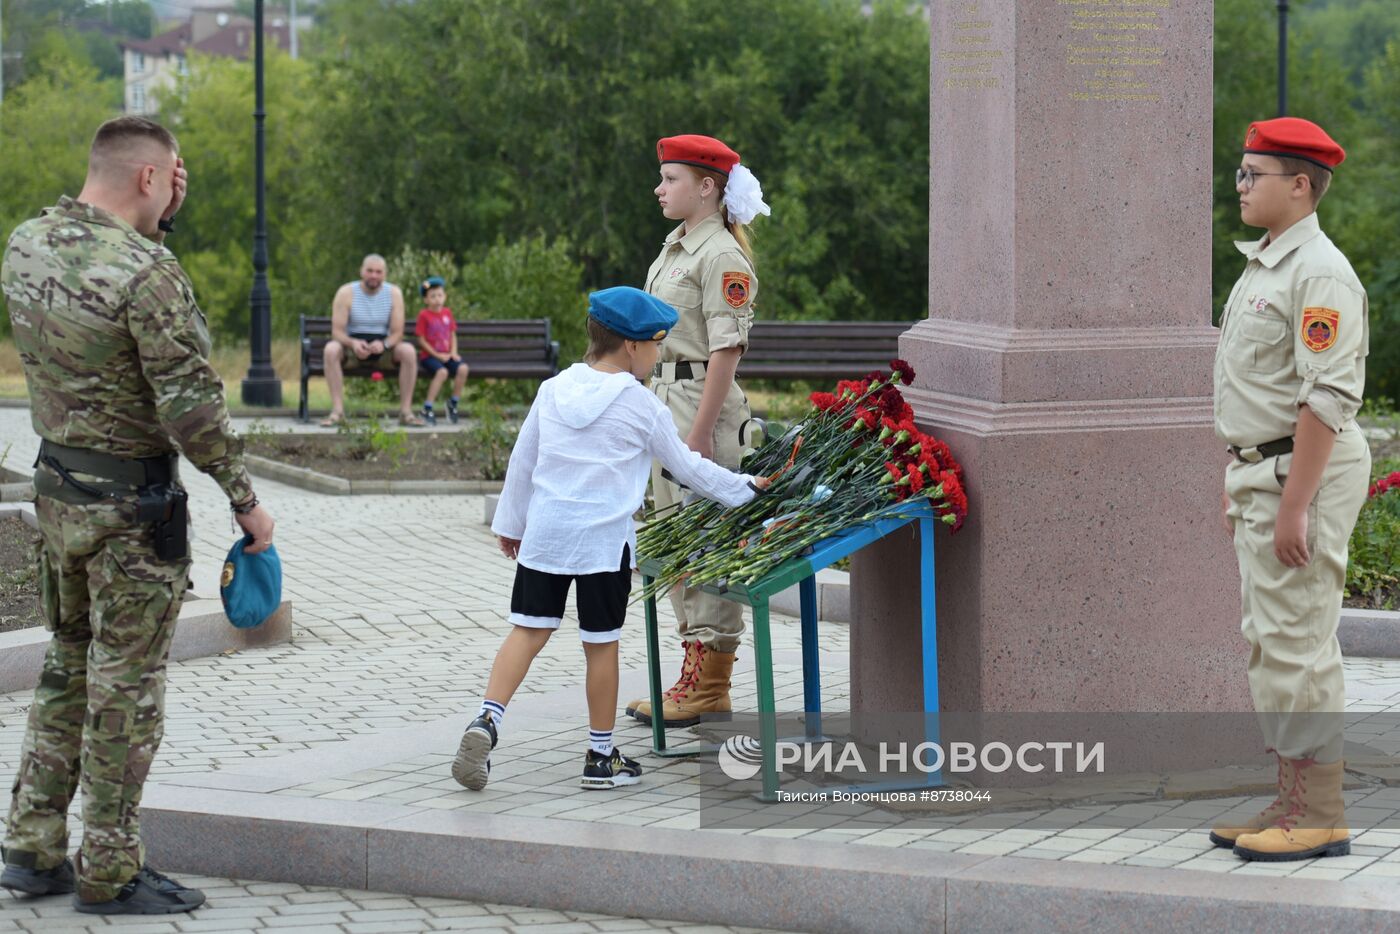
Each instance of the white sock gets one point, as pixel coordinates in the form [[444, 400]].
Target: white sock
[[496, 710], [600, 741]]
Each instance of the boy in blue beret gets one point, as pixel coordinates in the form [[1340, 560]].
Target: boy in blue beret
[[575, 478]]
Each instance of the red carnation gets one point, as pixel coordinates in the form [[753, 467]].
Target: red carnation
[[893, 405], [856, 387], [826, 401], [905, 371], [865, 415], [916, 479], [945, 457], [954, 499]]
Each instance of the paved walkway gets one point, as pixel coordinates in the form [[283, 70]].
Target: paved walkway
[[392, 629], [395, 632]]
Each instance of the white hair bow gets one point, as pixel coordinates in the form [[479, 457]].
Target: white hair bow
[[743, 196]]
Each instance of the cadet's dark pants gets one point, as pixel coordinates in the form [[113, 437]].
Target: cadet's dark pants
[[98, 712]]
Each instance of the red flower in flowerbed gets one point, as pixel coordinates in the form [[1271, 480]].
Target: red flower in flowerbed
[[1385, 484]]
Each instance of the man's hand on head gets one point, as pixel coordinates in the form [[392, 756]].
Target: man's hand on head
[[178, 190]]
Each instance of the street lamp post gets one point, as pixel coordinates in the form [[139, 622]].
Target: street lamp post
[[1283, 58], [261, 386]]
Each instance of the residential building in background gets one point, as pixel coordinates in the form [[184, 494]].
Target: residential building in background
[[152, 66]]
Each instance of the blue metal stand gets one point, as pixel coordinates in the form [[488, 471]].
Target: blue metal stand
[[802, 571]]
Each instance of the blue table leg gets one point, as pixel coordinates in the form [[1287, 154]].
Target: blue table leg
[[811, 658], [929, 615]]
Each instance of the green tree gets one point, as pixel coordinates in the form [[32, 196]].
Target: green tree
[[46, 126], [450, 123], [211, 113]]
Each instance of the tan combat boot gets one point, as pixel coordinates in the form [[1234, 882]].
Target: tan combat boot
[[1227, 835], [708, 698], [704, 697], [1313, 825], [641, 709]]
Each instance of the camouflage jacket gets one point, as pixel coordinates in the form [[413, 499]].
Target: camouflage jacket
[[114, 348]]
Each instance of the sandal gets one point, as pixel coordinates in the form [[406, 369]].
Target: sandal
[[330, 421], [411, 421]]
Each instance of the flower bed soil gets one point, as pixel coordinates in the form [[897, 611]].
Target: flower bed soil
[[424, 455], [19, 581]]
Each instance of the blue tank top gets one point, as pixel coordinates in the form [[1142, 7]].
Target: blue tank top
[[369, 314]]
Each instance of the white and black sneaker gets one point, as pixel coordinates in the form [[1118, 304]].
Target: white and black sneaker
[[472, 767], [610, 771]]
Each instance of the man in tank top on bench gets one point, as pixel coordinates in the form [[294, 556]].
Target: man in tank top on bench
[[367, 325]]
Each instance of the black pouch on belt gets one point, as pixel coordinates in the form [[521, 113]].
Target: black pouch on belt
[[166, 508]]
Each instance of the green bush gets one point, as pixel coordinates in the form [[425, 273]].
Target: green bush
[[1373, 572]]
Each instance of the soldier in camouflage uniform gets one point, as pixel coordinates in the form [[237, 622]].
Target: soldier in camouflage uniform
[[115, 353]]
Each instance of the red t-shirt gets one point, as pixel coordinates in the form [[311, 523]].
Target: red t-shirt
[[438, 327]]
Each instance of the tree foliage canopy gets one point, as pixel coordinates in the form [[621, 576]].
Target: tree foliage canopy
[[513, 140]]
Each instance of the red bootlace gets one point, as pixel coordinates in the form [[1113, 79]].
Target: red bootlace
[[690, 676], [690, 672], [1295, 796]]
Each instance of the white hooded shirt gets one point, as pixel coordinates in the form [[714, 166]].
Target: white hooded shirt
[[580, 468]]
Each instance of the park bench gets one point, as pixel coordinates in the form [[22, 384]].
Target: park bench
[[494, 349], [820, 349]]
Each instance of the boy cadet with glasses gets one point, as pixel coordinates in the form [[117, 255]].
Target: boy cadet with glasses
[[1289, 373]]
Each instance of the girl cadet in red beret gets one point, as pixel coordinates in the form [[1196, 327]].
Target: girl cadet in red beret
[[705, 271]]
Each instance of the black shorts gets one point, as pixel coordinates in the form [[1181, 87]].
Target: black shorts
[[430, 365], [539, 598]]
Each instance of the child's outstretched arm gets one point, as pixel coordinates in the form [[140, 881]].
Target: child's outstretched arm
[[703, 476], [509, 521]]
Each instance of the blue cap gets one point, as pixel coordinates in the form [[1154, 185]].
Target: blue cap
[[632, 313], [251, 585], [432, 282]]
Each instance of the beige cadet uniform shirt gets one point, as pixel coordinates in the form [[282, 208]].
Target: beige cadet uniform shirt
[[1294, 332], [710, 282]]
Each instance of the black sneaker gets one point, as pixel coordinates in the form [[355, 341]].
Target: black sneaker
[[56, 881], [452, 412], [428, 417], [610, 771], [148, 893], [472, 766]]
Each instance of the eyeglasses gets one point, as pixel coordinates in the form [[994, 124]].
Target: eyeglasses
[[1246, 177]]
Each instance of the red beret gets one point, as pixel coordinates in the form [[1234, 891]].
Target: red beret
[[1296, 138], [703, 151]]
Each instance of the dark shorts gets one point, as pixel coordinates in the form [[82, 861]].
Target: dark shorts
[[539, 599], [375, 361], [430, 365]]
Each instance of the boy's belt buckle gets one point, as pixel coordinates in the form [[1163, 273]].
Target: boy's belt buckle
[[1246, 455]]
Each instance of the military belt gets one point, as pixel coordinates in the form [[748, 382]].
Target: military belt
[[678, 370], [133, 472], [1262, 451]]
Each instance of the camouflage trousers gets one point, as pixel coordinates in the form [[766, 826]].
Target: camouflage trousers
[[98, 711]]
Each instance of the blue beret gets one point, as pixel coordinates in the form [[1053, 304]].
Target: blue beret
[[251, 585], [432, 282], [632, 313]]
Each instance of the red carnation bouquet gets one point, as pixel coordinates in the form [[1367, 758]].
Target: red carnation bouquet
[[856, 457]]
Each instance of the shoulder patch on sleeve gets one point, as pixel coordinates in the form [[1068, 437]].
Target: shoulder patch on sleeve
[[1320, 326], [736, 288]]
